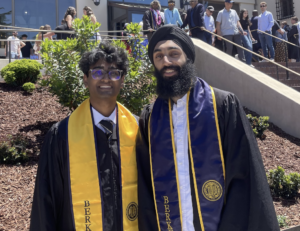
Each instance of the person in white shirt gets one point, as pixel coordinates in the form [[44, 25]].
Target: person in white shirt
[[265, 24], [209, 24], [15, 46]]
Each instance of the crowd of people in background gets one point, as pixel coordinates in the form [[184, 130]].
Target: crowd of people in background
[[260, 33]]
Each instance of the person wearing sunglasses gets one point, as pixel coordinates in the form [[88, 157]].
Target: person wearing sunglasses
[[87, 174], [265, 24], [172, 15], [195, 19]]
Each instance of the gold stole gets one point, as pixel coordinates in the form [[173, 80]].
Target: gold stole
[[84, 174]]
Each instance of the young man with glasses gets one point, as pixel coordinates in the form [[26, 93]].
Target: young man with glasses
[[172, 15], [195, 19], [87, 175], [265, 24]]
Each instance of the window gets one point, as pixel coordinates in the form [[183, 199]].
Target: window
[[36, 13], [142, 2], [284, 9]]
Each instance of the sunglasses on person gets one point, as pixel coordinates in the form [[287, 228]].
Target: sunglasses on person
[[171, 3], [113, 75], [263, 6]]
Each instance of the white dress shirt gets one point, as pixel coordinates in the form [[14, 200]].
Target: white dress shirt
[[98, 117], [179, 117], [265, 21], [209, 23]]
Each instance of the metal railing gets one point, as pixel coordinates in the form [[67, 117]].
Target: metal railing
[[260, 56], [23, 29], [286, 49]]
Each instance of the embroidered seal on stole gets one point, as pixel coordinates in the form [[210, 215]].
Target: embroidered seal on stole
[[132, 211], [212, 190]]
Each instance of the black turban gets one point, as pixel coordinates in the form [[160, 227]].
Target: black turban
[[177, 35]]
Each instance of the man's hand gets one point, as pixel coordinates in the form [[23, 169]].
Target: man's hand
[[219, 38], [202, 27], [245, 33], [150, 30]]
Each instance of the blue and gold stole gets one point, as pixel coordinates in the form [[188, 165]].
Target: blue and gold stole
[[85, 186], [206, 157]]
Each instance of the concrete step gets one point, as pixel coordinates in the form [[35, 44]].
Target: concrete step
[[284, 76], [268, 64], [291, 83], [274, 69]]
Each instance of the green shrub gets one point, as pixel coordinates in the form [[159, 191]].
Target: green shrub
[[21, 71], [283, 185], [14, 150], [29, 87], [66, 80], [282, 221], [139, 82], [61, 60], [259, 125]]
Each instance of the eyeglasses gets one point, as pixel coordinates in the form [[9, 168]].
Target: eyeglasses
[[191, 1], [171, 3], [263, 6], [113, 75]]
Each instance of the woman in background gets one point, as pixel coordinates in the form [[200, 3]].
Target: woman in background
[[69, 16], [40, 36], [280, 46], [246, 39], [88, 11]]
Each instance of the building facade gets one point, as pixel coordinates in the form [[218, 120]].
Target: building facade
[[113, 14]]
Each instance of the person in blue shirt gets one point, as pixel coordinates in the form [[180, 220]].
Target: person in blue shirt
[[265, 24], [172, 15]]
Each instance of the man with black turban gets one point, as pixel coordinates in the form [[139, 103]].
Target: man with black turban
[[199, 166]]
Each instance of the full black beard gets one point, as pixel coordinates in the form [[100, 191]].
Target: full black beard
[[177, 85]]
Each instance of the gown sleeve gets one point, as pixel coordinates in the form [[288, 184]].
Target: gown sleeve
[[48, 194], [249, 205], [248, 202]]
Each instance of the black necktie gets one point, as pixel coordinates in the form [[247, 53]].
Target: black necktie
[[108, 127]]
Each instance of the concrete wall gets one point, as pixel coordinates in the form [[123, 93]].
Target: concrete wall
[[100, 12], [256, 91]]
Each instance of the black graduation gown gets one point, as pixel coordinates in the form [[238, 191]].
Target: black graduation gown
[[51, 209], [293, 51], [249, 205]]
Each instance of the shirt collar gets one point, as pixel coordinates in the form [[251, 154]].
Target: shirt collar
[[227, 10], [181, 101], [98, 116]]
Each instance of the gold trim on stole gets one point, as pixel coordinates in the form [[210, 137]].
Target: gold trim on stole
[[218, 131], [128, 129]]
